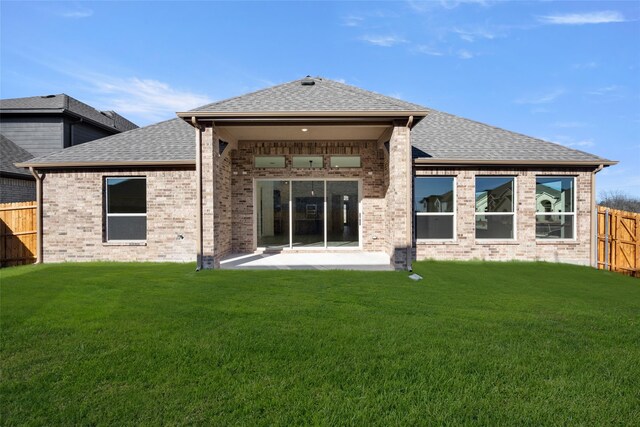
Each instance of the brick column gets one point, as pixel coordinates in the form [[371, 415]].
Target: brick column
[[398, 197], [210, 160]]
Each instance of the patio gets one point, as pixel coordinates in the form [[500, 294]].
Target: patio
[[356, 260]]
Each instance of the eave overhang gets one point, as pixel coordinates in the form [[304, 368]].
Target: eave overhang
[[66, 165], [502, 163]]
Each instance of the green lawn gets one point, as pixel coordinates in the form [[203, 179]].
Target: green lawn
[[473, 343]]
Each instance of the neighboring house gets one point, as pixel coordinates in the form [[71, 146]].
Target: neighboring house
[[41, 125], [317, 165], [16, 184]]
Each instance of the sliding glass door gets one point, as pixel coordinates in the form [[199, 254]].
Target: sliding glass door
[[305, 213]]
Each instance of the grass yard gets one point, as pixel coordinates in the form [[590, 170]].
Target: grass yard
[[473, 343]]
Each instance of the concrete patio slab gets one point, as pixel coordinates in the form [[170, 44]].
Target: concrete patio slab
[[368, 261]]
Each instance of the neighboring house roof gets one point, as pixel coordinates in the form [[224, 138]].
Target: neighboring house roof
[[441, 137], [168, 142], [64, 103], [10, 153], [309, 95]]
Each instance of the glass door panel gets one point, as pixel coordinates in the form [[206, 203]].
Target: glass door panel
[[342, 213], [273, 214], [308, 213]]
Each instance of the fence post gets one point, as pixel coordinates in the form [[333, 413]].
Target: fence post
[[606, 239]]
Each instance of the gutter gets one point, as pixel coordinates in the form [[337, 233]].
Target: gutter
[[462, 162], [39, 179], [199, 247], [141, 163], [299, 114]]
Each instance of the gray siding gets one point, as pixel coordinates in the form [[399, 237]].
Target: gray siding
[[82, 132], [38, 135]]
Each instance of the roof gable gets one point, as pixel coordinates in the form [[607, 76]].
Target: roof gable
[[310, 95]]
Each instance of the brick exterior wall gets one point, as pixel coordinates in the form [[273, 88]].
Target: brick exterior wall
[[74, 217], [525, 246], [14, 190]]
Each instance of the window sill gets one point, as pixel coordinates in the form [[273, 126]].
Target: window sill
[[436, 242], [493, 242], [568, 242], [125, 243]]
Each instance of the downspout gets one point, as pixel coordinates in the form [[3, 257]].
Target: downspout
[[39, 179], [594, 219], [199, 248], [409, 238]]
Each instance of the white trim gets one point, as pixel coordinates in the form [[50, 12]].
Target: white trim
[[109, 215], [453, 213], [574, 213], [514, 202]]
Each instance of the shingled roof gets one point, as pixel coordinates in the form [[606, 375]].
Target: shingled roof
[[64, 103], [438, 137], [10, 153], [441, 136], [170, 142], [308, 95]]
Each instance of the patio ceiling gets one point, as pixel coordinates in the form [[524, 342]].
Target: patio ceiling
[[304, 132]]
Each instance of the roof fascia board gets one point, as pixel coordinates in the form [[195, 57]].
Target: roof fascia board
[[463, 162], [300, 114], [62, 165]]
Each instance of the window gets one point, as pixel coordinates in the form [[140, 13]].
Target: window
[[126, 200], [345, 162], [555, 208], [265, 162], [434, 204], [495, 216], [307, 162]]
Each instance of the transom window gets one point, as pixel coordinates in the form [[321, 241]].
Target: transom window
[[555, 207], [434, 205], [126, 208], [495, 217]]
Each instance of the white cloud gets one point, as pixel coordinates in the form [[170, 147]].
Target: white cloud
[[424, 5], [465, 54], [471, 35], [428, 50], [543, 98], [352, 21], [77, 14], [602, 17], [607, 90], [384, 41], [569, 141], [586, 65]]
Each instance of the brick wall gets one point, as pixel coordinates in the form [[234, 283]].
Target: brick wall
[[525, 246], [17, 190], [74, 217]]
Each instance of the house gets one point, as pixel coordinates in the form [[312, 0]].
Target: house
[[316, 165], [40, 125]]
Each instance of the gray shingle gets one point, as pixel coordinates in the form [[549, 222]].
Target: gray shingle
[[323, 95], [171, 140], [444, 136], [65, 102], [10, 153]]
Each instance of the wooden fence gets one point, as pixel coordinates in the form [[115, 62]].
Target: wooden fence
[[18, 233], [619, 241]]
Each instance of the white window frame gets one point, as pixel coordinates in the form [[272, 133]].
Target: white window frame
[[453, 214], [573, 213], [109, 215], [512, 213]]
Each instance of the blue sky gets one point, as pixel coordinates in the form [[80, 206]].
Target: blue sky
[[568, 72]]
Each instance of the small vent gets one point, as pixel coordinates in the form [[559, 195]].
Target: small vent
[[308, 81], [48, 96]]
